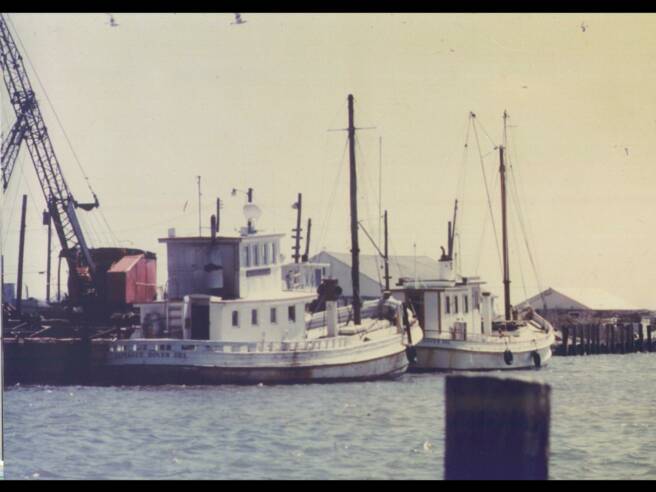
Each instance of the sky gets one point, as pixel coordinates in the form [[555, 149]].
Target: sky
[[160, 99]]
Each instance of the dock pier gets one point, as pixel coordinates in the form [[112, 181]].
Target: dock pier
[[605, 338]]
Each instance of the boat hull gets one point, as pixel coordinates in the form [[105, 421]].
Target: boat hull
[[454, 355], [387, 367], [142, 362]]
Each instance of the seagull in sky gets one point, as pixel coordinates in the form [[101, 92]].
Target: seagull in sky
[[583, 26], [112, 22], [238, 20]]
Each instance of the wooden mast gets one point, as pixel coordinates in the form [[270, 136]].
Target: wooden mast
[[387, 276], [297, 231], [355, 250], [504, 228]]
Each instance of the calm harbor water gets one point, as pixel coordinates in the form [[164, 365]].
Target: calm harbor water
[[603, 426]]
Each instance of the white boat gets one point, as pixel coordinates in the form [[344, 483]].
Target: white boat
[[461, 330], [230, 318]]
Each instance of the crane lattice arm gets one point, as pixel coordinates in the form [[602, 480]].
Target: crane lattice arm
[[10, 148], [55, 190]]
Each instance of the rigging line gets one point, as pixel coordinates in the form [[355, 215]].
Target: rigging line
[[516, 246], [525, 230], [528, 248], [484, 231], [5, 228], [365, 179], [465, 152], [105, 233], [30, 195], [52, 107], [487, 193], [331, 201], [111, 232], [486, 133]]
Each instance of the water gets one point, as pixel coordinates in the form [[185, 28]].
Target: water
[[603, 427]]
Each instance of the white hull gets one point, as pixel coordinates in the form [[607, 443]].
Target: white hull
[[466, 355], [173, 361]]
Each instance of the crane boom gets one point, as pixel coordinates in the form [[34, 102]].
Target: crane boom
[[9, 150], [55, 190]]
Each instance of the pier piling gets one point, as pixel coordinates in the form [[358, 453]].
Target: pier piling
[[649, 328], [496, 429], [565, 333]]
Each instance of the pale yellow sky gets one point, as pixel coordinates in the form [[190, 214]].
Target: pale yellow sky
[[159, 99]]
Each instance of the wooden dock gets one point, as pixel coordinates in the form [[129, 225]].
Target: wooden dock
[[598, 338]]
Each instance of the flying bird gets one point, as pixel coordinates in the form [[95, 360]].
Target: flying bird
[[112, 22], [238, 20], [583, 26]]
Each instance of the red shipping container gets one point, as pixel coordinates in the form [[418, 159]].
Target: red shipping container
[[132, 279]]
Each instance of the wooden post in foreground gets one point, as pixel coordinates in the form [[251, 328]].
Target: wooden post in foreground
[[496, 429]]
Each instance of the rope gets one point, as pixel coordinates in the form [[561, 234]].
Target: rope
[[367, 186], [487, 193], [331, 202]]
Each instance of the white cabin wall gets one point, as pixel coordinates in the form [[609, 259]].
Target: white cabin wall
[[431, 313], [221, 322]]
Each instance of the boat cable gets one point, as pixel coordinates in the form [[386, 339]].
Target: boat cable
[[487, 193], [331, 201], [486, 220], [52, 107], [367, 189], [521, 218], [15, 190]]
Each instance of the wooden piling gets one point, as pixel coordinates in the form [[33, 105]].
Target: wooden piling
[[649, 327], [612, 338], [588, 339], [572, 350], [641, 338], [496, 429], [565, 333]]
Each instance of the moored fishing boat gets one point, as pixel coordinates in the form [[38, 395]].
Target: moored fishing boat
[[461, 330], [228, 318]]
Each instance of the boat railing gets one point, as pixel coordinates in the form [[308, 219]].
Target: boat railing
[[159, 348], [370, 309]]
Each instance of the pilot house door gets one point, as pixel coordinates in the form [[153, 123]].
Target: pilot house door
[[200, 322]]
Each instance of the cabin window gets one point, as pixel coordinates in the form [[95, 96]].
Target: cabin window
[[291, 313], [274, 315], [447, 305], [256, 255], [246, 256], [254, 317], [274, 252], [465, 304], [235, 319], [475, 299], [455, 304], [265, 254]]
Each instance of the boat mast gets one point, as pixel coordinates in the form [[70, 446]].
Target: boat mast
[[355, 250], [387, 276], [504, 227]]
